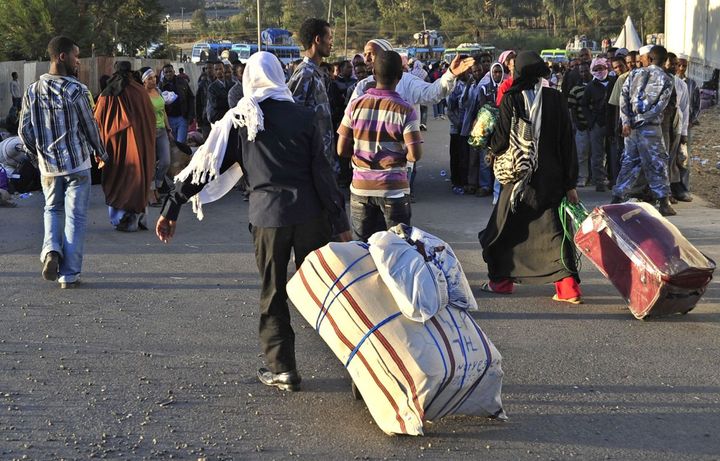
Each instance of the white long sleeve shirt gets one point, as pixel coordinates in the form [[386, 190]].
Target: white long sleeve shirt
[[683, 104], [414, 90]]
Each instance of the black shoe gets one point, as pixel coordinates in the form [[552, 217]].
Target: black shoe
[[423, 127], [601, 188], [288, 381], [51, 265], [665, 208], [684, 198], [483, 192], [672, 200], [616, 199]]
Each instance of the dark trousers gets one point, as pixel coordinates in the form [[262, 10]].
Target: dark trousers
[[375, 214], [272, 254], [458, 160]]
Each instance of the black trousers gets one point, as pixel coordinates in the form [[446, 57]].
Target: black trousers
[[272, 254], [458, 160], [375, 214]]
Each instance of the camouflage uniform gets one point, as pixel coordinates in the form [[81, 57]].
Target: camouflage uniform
[[309, 87], [645, 95]]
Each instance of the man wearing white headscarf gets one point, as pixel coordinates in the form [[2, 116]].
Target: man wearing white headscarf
[[295, 205]]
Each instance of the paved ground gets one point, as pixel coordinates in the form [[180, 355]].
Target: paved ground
[[155, 356]]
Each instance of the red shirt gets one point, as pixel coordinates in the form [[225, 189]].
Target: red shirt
[[504, 86]]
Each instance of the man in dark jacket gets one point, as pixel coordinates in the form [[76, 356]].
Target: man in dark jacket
[[295, 205], [594, 104], [181, 111], [217, 93]]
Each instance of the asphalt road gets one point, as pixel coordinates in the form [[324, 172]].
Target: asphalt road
[[155, 355]]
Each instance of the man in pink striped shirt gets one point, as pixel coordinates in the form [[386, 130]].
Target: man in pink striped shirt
[[381, 133]]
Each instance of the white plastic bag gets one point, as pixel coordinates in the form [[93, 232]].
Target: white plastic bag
[[421, 271]]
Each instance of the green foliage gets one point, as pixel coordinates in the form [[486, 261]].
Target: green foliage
[[103, 26], [170, 52], [109, 25], [199, 22]]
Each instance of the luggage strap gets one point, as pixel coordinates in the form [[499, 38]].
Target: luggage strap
[[368, 334]]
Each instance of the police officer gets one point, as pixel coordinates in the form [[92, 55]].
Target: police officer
[[645, 95]]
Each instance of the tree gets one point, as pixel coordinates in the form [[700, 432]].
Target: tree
[[199, 22], [26, 26]]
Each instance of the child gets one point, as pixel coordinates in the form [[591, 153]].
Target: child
[[380, 132]]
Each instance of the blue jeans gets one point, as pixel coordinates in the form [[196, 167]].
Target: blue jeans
[[162, 154], [67, 196], [179, 127]]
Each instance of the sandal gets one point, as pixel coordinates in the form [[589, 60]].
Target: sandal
[[485, 286], [575, 301]]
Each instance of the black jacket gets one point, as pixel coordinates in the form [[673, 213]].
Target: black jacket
[[289, 179], [594, 102], [184, 105]]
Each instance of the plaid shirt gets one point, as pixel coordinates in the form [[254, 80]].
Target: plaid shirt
[[57, 125]]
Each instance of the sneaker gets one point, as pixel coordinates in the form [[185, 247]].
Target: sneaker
[[423, 127], [442, 117], [483, 192], [458, 190], [50, 266], [288, 381], [69, 285]]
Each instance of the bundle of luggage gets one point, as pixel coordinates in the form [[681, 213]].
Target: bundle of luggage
[[395, 312], [22, 174], [646, 258]]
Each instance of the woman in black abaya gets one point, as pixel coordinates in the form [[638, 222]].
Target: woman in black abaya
[[523, 241]]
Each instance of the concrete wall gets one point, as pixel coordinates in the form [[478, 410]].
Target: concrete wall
[[91, 69]]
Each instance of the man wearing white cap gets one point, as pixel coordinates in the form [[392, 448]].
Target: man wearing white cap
[[411, 88], [645, 95]]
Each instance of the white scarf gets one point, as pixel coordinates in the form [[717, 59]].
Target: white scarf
[[533, 108], [263, 79]]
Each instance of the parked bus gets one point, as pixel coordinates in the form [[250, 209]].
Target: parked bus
[[469, 49], [209, 51], [286, 53], [425, 53], [555, 55]]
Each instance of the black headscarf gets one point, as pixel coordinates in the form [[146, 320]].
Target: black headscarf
[[529, 68], [119, 80]]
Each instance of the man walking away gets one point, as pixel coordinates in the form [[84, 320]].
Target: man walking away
[[385, 132], [309, 84], [295, 205], [645, 95], [58, 129]]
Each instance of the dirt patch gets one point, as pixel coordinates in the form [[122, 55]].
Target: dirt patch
[[705, 156]]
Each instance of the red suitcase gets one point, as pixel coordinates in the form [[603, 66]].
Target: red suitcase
[[645, 256]]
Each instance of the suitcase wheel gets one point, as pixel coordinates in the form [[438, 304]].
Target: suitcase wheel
[[356, 392]]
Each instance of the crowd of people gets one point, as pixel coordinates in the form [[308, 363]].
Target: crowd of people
[[523, 131]]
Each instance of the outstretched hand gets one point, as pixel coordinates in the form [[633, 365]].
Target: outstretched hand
[[459, 66], [165, 229]]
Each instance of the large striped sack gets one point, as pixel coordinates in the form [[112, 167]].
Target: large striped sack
[[408, 372]]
